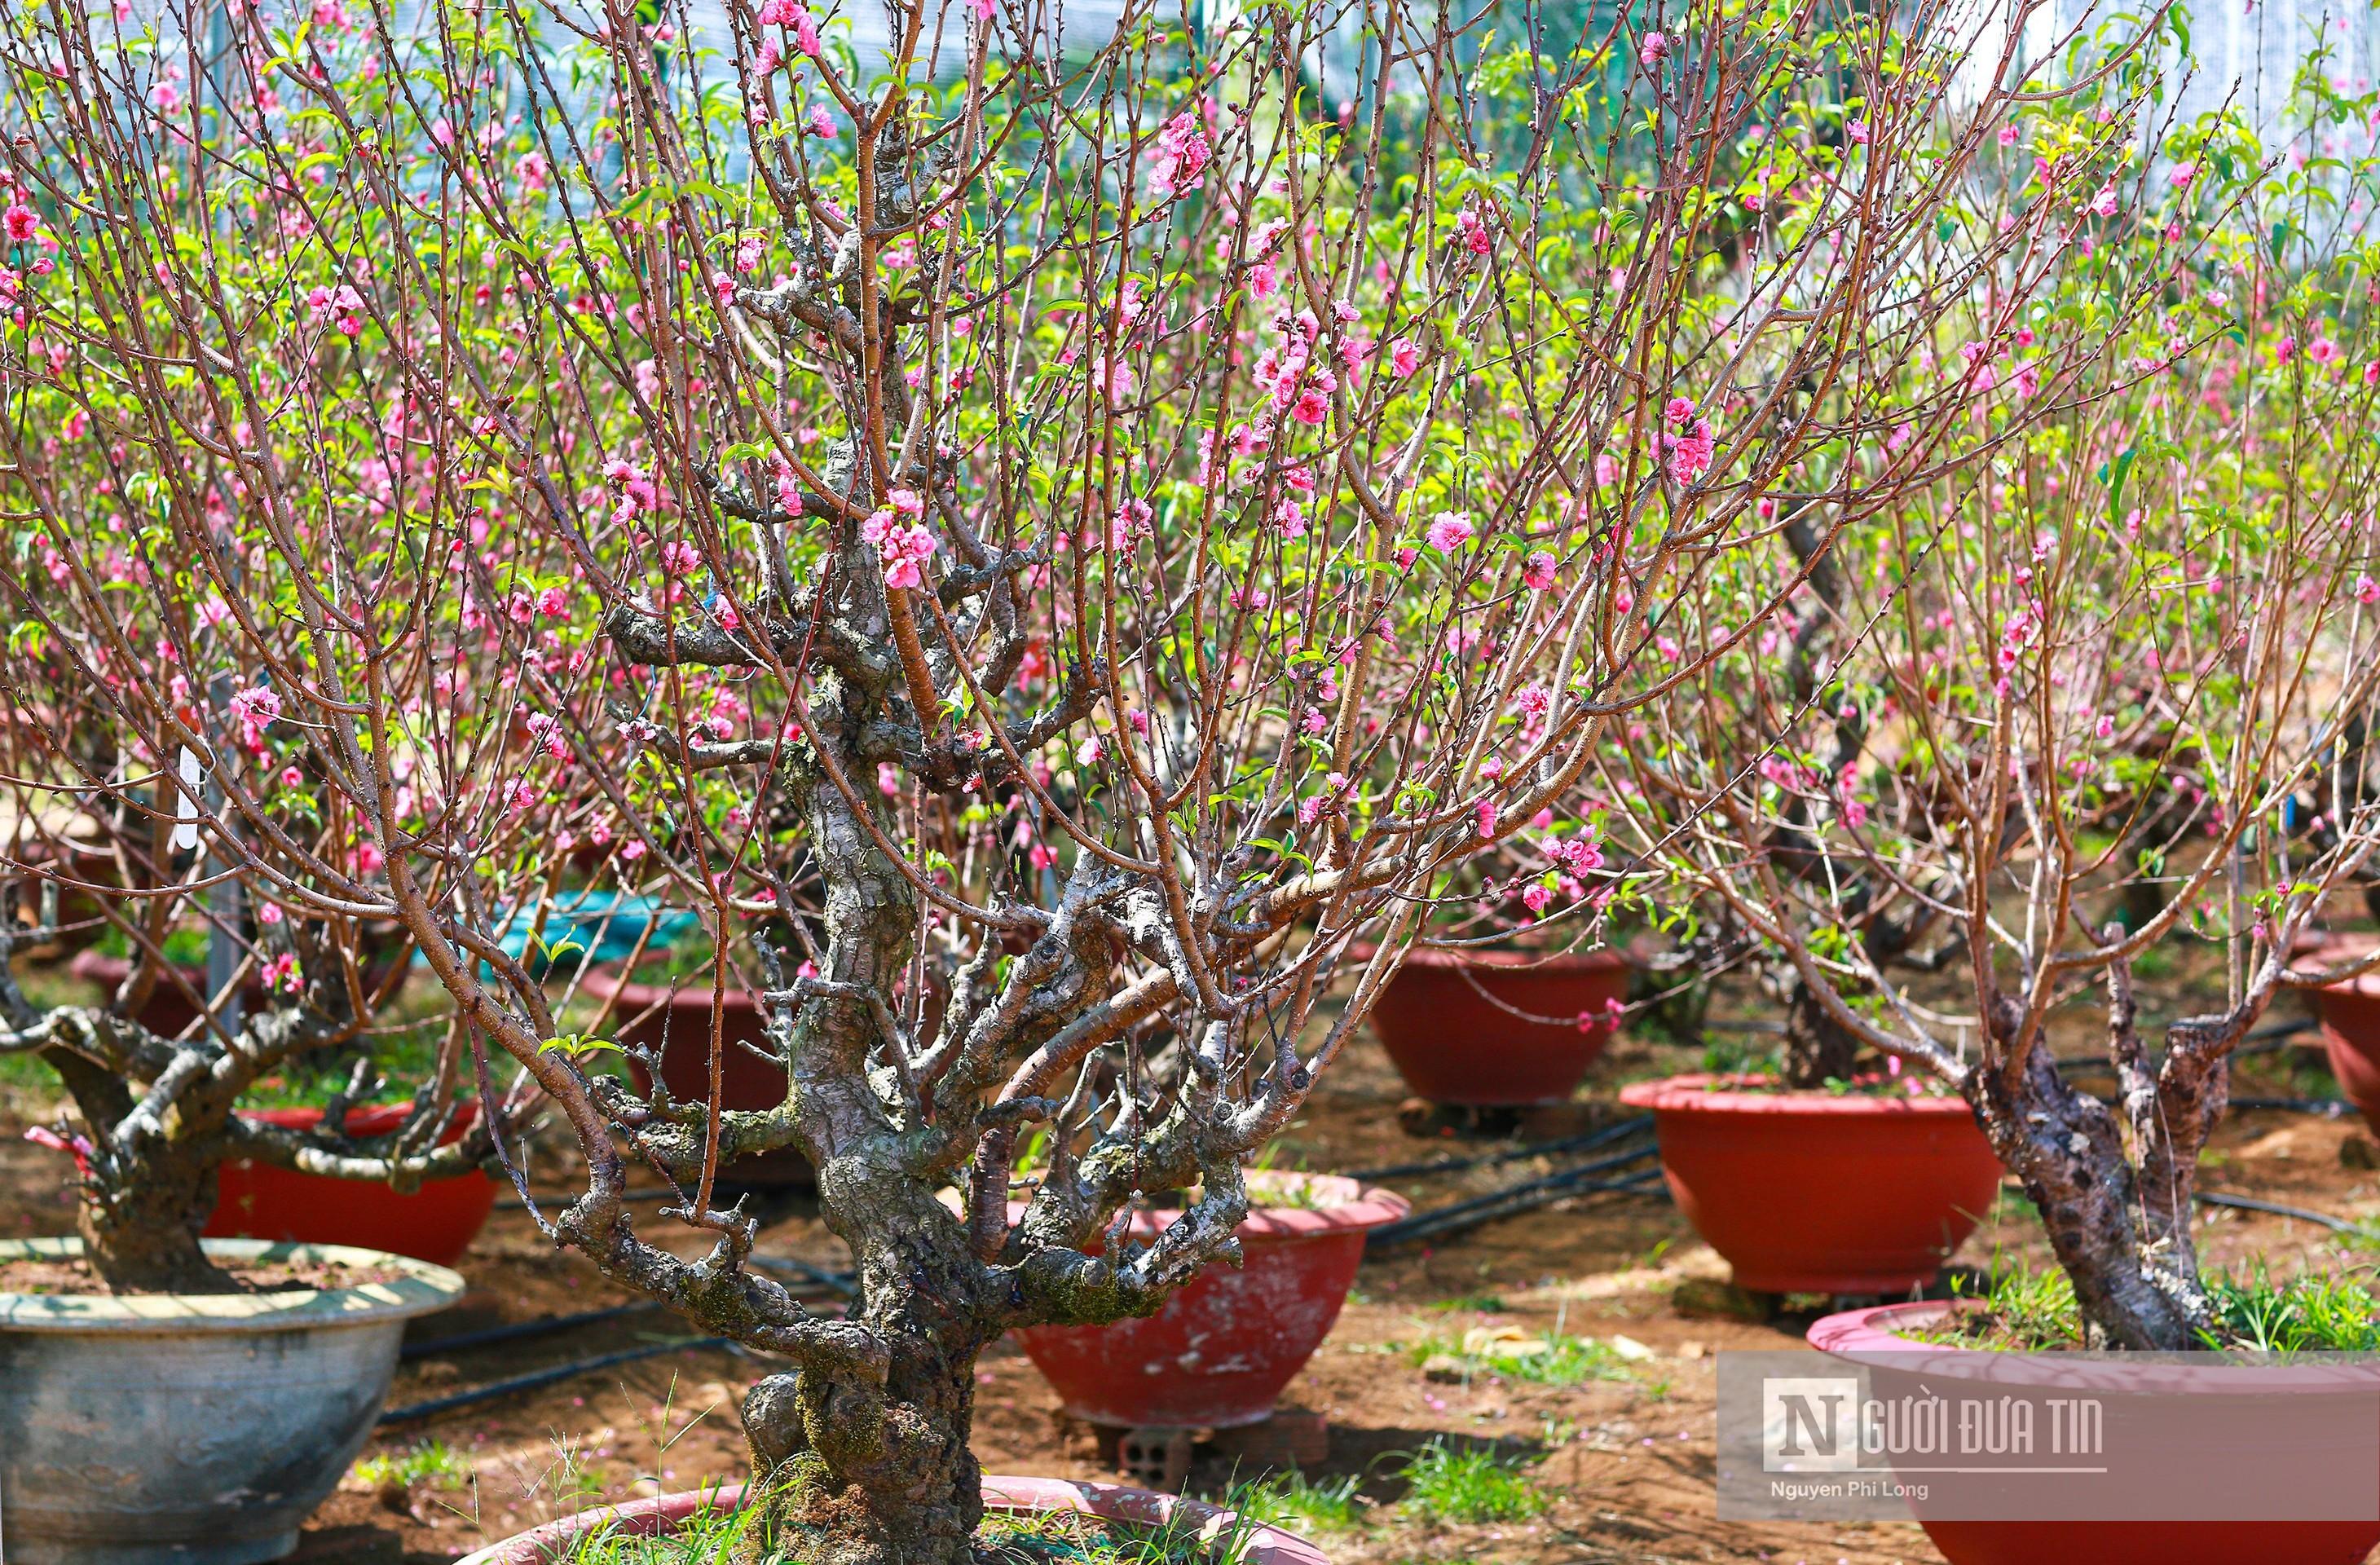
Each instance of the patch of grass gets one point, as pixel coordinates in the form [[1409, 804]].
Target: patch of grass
[[2028, 1310], [1072, 1539], [2024, 1309], [1484, 1304], [1444, 1484], [711, 1536], [432, 1464], [1553, 1359], [1299, 1504], [714, 1536], [1731, 1054], [2315, 1312], [26, 1072]]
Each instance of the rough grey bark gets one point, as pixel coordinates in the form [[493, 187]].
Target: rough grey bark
[[2115, 1183], [866, 1442], [158, 1117]]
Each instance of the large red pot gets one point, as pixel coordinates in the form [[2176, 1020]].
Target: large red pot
[[1256, 1545], [78, 862], [2350, 1036], [676, 1025], [1221, 1351], [434, 1223], [1814, 1192], [168, 1011], [1453, 1044], [2117, 1531]]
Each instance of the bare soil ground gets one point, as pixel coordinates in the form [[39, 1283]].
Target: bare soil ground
[[1628, 1464]]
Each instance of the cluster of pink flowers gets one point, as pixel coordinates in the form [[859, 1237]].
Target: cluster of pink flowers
[[637, 492], [1450, 531], [1580, 855], [1300, 387], [281, 973], [343, 306], [1182, 153], [545, 730], [1471, 231], [255, 709], [1333, 800], [1694, 445], [903, 547]]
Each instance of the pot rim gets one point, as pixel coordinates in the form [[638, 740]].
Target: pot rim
[[604, 981], [422, 1289], [1115, 1501], [1855, 1334], [363, 1119], [1359, 1208], [2364, 986], [1516, 960], [1695, 1094], [2320, 948]]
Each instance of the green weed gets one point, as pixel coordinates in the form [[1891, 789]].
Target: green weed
[[1476, 1484], [1551, 1360], [431, 1464], [2026, 1310], [1299, 1504]]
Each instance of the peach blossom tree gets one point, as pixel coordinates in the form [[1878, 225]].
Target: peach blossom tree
[[1036, 551]]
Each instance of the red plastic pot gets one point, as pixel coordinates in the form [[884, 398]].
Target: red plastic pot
[[1454, 1044], [2350, 1036], [1257, 1545], [1812, 1192], [82, 861], [167, 1010], [676, 1025], [435, 1222], [1896, 1364], [1221, 1350]]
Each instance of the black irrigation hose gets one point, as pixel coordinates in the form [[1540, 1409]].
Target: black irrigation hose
[[544, 1326], [438, 1406], [1430, 1225], [2250, 1204], [2257, 1040], [1583, 1143], [1522, 1197], [515, 1204], [843, 1282], [2328, 1107]]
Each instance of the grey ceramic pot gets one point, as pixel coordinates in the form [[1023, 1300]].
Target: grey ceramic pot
[[190, 1429]]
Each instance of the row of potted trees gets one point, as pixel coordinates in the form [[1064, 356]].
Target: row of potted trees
[[1042, 646]]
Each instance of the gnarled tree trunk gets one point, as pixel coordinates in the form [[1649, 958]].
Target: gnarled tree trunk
[[880, 1476], [2114, 1186], [141, 1229]]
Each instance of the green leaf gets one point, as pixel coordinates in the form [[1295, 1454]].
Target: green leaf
[[576, 1043], [2118, 472]]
